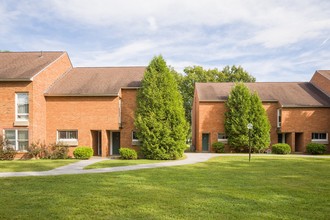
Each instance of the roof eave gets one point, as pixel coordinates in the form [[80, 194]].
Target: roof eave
[[80, 95], [305, 106], [17, 80]]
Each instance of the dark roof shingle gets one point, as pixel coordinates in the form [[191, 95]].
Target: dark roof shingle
[[24, 65], [301, 94], [96, 81]]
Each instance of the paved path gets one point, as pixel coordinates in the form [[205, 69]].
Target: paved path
[[77, 168]]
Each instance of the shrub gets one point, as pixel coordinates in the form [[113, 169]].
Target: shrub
[[57, 151], [281, 149], [6, 152], [35, 149], [315, 148], [83, 152], [127, 154], [218, 147]]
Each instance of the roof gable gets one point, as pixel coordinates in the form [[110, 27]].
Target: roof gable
[[96, 81], [22, 66]]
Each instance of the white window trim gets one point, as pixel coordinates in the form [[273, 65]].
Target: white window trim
[[279, 122], [67, 141], [16, 137], [16, 107], [326, 139]]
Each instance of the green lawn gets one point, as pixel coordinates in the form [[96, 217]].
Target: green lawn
[[32, 165], [119, 163], [222, 188]]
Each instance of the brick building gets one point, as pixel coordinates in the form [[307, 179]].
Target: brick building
[[299, 113], [44, 98]]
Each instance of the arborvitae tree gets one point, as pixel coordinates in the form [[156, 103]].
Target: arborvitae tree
[[160, 118], [237, 117], [260, 137]]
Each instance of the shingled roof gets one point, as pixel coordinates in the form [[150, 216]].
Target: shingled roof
[[292, 94], [22, 66], [96, 81]]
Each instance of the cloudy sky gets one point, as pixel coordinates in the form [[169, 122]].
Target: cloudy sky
[[273, 40]]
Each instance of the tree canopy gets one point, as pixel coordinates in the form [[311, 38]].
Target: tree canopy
[[199, 74], [160, 120]]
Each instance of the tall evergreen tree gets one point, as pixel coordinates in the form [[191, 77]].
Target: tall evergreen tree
[[237, 117], [260, 137], [160, 118]]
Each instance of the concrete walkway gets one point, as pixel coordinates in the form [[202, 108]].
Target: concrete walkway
[[77, 168]]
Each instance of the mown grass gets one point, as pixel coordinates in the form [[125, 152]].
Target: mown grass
[[119, 163], [32, 165], [222, 188]]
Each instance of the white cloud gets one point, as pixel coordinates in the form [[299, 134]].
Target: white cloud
[[268, 38]]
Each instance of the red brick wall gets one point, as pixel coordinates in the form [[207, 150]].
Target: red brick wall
[[41, 83], [128, 114], [7, 106], [306, 121], [83, 114]]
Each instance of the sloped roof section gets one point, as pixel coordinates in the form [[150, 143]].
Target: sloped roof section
[[22, 66], [325, 73], [301, 94], [96, 81]]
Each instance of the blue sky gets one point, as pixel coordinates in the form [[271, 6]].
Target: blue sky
[[273, 40]]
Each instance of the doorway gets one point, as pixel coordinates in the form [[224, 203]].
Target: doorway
[[97, 142], [115, 143], [205, 142], [298, 140]]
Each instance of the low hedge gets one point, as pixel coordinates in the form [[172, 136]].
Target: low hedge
[[7, 153], [83, 152], [218, 147], [127, 154], [315, 148], [281, 149]]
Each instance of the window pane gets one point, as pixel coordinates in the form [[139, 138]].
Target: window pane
[[22, 103], [72, 135], [62, 135], [222, 136], [134, 136], [10, 135], [23, 135], [323, 136], [22, 145]]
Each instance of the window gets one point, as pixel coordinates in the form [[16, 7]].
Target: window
[[279, 118], [22, 106], [222, 137], [135, 139], [68, 137], [319, 136], [18, 139]]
